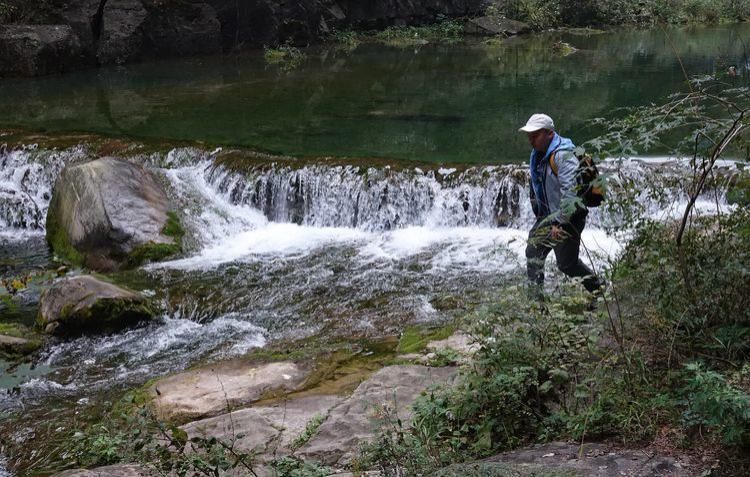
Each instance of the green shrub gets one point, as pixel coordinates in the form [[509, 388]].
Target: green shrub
[[286, 56], [711, 402], [700, 303]]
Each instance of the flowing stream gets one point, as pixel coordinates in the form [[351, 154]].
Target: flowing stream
[[330, 250]]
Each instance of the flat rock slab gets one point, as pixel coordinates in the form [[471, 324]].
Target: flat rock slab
[[84, 303], [267, 430], [209, 391], [120, 470], [597, 460], [352, 422]]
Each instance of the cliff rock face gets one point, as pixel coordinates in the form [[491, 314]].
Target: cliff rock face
[[102, 32], [35, 50]]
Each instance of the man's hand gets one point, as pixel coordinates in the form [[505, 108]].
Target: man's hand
[[557, 233]]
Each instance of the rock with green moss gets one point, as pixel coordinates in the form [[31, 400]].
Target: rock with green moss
[[12, 346], [84, 304], [110, 214]]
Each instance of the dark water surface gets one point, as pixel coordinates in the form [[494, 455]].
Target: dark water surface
[[452, 103]]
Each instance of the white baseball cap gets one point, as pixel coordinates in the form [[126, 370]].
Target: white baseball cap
[[537, 122]]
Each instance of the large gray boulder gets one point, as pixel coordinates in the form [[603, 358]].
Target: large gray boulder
[[34, 50], [109, 214], [85, 304]]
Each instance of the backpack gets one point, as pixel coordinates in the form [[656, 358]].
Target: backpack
[[588, 190]]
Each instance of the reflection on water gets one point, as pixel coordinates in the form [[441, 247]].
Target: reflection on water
[[434, 103]]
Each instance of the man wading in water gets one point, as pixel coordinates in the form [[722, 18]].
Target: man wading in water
[[560, 217]]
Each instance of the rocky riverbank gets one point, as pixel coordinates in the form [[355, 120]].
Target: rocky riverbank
[[59, 37]]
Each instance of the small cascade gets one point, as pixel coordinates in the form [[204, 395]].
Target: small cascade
[[375, 199], [27, 177]]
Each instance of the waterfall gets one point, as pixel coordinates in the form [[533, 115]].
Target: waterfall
[[376, 199], [27, 176], [365, 198]]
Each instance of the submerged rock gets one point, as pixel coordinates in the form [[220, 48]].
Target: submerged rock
[[109, 214], [83, 304], [33, 50], [210, 390]]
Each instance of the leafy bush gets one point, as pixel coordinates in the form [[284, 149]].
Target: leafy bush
[[711, 402], [137, 436], [711, 314], [285, 56]]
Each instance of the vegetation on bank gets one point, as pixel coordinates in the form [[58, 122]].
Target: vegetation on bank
[[541, 14]]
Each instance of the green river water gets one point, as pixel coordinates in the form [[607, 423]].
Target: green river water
[[437, 103]]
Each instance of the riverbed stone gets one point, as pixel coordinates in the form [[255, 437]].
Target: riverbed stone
[[35, 50], [211, 390], [85, 304], [268, 430], [119, 470], [110, 214], [15, 346], [355, 420]]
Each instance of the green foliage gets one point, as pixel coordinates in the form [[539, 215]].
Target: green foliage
[[542, 14], [531, 378], [712, 313], [310, 429], [539, 14], [445, 357], [444, 31], [139, 437], [738, 192], [711, 402], [291, 467], [287, 57]]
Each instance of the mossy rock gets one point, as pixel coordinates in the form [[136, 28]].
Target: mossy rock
[[110, 214], [85, 304], [13, 347], [415, 339]]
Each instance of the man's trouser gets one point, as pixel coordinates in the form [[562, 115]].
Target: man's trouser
[[566, 252]]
